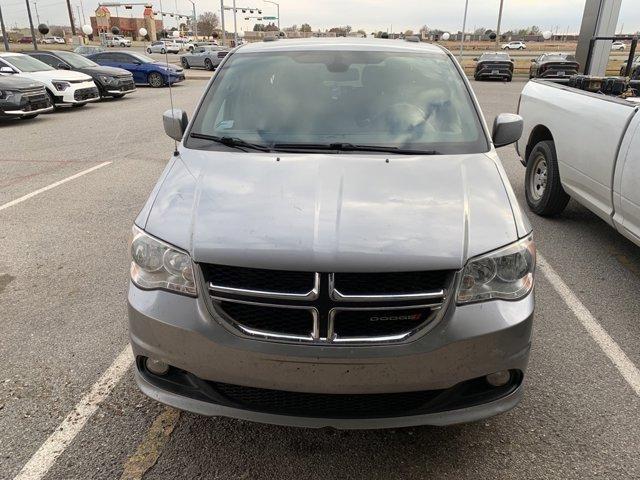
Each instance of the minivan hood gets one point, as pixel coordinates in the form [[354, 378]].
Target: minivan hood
[[48, 75], [317, 212]]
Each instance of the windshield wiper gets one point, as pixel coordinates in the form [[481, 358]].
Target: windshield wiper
[[350, 147], [232, 142]]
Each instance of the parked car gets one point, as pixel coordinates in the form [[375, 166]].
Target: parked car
[[145, 70], [54, 40], [557, 66], [620, 46], [88, 49], [363, 265], [200, 43], [595, 162], [494, 65], [118, 41], [22, 98], [163, 46], [634, 66], [64, 87], [26, 40], [206, 57], [111, 81], [517, 45]]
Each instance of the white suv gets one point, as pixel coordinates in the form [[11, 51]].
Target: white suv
[[514, 46], [64, 87]]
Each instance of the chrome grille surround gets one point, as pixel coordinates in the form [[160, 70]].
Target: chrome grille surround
[[324, 301]]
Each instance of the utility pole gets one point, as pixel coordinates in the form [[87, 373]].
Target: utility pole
[[235, 25], [5, 38], [84, 20], [35, 6], [73, 26], [499, 22], [222, 20], [464, 26], [33, 32], [195, 20]]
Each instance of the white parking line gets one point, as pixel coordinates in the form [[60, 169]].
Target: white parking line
[[610, 348], [41, 461], [53, 185]]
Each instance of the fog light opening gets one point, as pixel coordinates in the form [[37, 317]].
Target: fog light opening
[[155, 366], [499, 379]]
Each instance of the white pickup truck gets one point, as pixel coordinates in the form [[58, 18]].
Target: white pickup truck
[[585, 146]]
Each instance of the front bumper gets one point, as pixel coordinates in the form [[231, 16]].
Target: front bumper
[[469, 342], [78, 93]]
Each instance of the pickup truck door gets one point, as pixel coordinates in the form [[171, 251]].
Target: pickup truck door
[[627, 184]]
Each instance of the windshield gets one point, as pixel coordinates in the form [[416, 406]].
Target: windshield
[[409, 101], [25, 63], [75, 60], [142, 58], [502, 57]]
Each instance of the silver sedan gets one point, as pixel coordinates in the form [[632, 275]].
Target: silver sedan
[[208, 56]]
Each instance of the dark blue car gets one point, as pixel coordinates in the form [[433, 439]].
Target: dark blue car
[[145, 70]]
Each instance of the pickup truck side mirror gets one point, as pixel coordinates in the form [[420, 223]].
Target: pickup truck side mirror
[[175, 123], [6, 70], [507, 129]]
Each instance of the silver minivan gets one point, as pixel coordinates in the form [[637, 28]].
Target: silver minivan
[[334, 243]]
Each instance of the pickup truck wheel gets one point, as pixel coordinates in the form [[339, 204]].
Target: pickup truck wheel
[[544, 192]]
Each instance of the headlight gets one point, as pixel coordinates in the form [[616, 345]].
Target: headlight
[[106, 80], [505, 274], [157, 265], [60, 86], [6, 94]]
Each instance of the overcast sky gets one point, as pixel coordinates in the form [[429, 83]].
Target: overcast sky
[[371, 15]]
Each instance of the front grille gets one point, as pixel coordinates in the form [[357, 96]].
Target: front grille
[[389, 283], [33, 92], [127, 85], [37, 105], [85, 93], [326, 307], [258, 279], [287, 321]]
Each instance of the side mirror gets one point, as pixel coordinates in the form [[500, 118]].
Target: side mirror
[[533, 60], [175, 123], [136, 62], [6, 70], [63, 66], [476, 59], [507, 129]]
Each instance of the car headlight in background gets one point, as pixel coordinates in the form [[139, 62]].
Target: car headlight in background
[[157, 265], [60, 86], [107, 80], [505, 274], [6, 94]]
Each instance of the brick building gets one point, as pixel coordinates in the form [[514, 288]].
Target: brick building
[[102, 22]]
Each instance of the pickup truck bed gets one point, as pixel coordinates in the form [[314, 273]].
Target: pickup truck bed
[[591, 148]]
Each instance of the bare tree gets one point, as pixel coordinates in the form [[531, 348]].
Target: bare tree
[[305, 27], [208, 23]]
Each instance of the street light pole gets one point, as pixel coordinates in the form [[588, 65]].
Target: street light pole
[[5, 38], [195, 20], [73, 26], [222, 20], [278, 7], [33, 32], [235, 25], [464, 26], [499, 22]]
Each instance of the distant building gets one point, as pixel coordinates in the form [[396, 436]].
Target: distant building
[[103, 22]]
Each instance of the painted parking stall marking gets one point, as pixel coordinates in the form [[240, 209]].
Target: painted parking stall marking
[[53, 185]]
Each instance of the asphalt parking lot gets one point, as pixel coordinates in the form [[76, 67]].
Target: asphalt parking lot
[[63, 281]]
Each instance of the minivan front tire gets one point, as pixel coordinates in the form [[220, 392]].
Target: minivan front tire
[[544, 192]]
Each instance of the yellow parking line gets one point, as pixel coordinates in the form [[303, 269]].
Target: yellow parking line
[[151, 447]]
